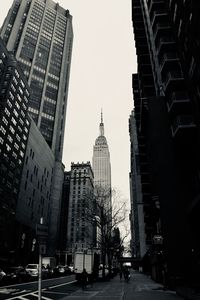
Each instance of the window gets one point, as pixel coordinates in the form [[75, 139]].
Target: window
[[12, 129], [5, 121], [10, 138], [2, 129], [7, 112]]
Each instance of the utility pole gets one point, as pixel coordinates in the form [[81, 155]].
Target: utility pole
[[42, 234], [40, 269]]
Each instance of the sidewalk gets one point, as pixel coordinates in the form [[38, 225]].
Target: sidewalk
[[140, 287]]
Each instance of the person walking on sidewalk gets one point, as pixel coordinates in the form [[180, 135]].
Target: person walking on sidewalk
[[84, 278], [126, 274]]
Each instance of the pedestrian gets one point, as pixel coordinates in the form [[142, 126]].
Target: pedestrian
[[84, 278], [126, 274]]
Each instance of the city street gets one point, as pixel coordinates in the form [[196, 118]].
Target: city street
[[140, 287]]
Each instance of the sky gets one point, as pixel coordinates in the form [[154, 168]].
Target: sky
[[103, 60]]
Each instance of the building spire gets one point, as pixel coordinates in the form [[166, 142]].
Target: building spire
[[101, 127]]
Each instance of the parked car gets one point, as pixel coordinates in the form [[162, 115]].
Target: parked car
[[61, 270], [32, 269], [2, 276], [71, 267], [17, 274], [67, 270]]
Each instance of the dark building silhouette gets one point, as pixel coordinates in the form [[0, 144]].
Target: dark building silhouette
[[166, 117], [14, 132]]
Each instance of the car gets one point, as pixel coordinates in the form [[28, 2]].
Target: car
[[33, 270], [2, 276], [17, 274], [71, 267], [67, 270], [61, 270]]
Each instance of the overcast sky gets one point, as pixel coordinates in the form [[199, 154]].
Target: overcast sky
[[103, 60]]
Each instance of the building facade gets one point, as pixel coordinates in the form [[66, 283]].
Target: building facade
[[166, 105], [81, 222], [14, 132], [34, 193], [62, 245], [138, 238], [40, 35]]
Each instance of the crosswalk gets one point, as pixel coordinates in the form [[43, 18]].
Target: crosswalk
[[28, 296]]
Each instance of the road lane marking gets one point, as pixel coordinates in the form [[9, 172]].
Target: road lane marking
[[35, 281], [19, 292], [44, 289], [66, 283], [23, 297], [7, 291], [45, 298]]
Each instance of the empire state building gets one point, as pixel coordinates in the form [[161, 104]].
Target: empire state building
[[101, 162]]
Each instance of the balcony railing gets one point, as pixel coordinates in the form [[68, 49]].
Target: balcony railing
[[154, 4], [165, 41], [160, 15], [173, 76], [161, 27], [177, 99], [182, 122], [169, 57]]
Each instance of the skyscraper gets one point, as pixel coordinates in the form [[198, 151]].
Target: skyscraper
[[40, 35], [101, 163], [166, 120]]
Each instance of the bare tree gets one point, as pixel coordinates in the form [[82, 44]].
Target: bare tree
[[108, 211]]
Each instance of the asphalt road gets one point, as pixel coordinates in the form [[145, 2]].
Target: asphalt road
[[54, 288]]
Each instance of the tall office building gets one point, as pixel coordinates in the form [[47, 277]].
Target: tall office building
[[80, 227], [101, 163], [40, 34], [166, 118]]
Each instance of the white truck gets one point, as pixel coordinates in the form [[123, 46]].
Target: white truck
[[49, 262], [83, 261]]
